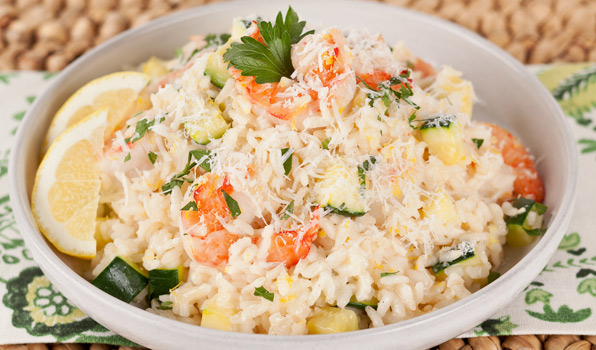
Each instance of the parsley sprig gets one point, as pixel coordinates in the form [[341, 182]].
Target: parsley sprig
[[141, 128], [262, 292], [200, 157], [269, 61], [288, 211]]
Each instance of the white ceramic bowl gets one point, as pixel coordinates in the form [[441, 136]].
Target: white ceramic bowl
[[508, 95]]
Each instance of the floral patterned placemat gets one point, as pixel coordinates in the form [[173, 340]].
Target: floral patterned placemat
[[561, 300]]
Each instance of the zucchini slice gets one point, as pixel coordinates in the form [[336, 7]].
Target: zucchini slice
[[205, 123], [122, 279], [340, 191], [217, 70], [161, 281], [443, 138], [520, 231], [373, 302], [492, 276], [467, 257]]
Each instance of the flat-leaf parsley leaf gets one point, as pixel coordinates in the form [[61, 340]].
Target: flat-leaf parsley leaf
[[268, 62], [262, 292], [232, 204]]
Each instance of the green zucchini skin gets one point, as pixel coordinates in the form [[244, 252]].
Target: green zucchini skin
[[217, 71], [363, 304], [342, 197], [437, 122], [121, 279], [205, 127], [344, 211], [440, 266], [492, 276], [519, 231], [161, 281], [443, 138]]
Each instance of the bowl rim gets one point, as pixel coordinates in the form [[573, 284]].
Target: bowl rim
[[49, 262]]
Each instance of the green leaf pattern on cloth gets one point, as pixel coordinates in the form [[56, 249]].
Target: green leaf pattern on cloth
[[563, 315], [570, 241], [538, 295], [574, 87], [496, 326], [41, 310], [587, 286], [562, 299]]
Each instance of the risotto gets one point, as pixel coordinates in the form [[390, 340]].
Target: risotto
[[287, 182]]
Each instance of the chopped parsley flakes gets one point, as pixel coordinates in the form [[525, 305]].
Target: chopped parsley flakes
[[200, 157], [232, 204], [141, 128], [262, 292]]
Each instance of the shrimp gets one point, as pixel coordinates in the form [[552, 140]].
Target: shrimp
[[167, 79], [290, 246], [374, 62], [209, 241], [425, 68], [527, 183], [379, 76], [323, 73]]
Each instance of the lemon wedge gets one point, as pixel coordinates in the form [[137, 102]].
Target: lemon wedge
[[119, 92], [66, 191]]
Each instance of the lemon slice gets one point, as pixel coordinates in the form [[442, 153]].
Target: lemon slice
[[66, 191], [119, 92]]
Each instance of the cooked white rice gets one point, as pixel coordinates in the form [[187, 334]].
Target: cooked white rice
[[400, 232]]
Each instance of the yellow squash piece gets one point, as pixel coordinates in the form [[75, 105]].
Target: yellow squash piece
[[332, 320]]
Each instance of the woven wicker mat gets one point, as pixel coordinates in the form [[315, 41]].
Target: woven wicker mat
[[48, 34]]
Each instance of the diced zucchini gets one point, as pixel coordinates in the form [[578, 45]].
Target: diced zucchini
[[122, 279], [332, 320], [492, 276], [217, 70], [217, 317], [161, 281], [205, 123], [467, 258], [443, 138], [340, 191], [373, 302], [442, 207], [520, 231]]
